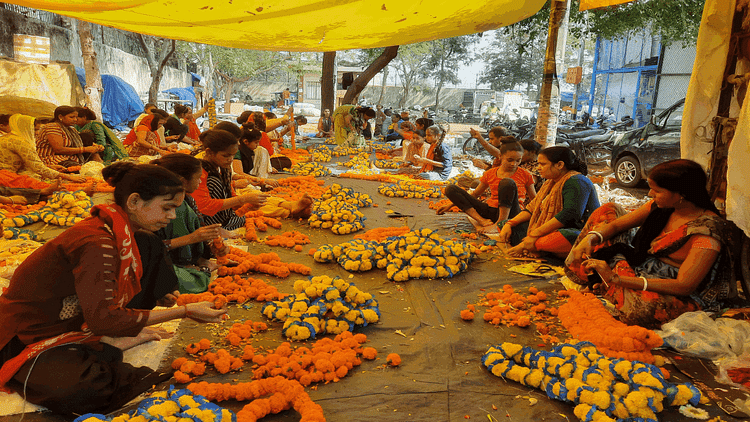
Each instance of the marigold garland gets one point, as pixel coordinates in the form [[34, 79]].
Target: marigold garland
[[287, 239], [8, 212], [417, 254], [61, 209], [171, 405], [603, 389], [338, 210], [294, 187], [90, 185], [233, 289], [408, 189], [322, 305], [321, 154], [585, 318], [382, 233], [268, 263], [387, 163], [309, 169], [434, 205]]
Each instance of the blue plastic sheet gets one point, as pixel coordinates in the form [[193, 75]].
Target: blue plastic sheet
[[120, 103], [183, 94]]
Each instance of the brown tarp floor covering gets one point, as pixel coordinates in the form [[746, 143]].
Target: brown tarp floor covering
[[441, 377]]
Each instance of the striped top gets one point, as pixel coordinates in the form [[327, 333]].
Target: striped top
[[44, 149]]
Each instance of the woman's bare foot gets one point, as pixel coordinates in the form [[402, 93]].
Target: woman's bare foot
[[51, 188], [491, 229], [303, 207]]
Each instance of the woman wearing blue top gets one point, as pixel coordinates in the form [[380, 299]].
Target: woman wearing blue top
[[553, 220]]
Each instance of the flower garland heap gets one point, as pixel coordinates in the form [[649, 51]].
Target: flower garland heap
[[171, 405], [267, 263], [293, 239], [510, 308], [255, 220], [603, 389], [283, 394], [309, 169], [586, 319], [382, 233], [340, 151], [223, 290], [17, 215], [322, 305], [321, 154], [416, 254], [380, 146], [407, 189], [62, 209], [292, 188], [338, 210], [387, 164], [361, 159], [11, 233]]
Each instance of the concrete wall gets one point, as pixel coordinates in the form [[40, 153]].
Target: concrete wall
[[118, 52]]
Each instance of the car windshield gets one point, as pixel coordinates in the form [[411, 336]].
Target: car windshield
[[673, 119]]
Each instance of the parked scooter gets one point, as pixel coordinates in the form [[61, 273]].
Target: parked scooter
[[593, 145]]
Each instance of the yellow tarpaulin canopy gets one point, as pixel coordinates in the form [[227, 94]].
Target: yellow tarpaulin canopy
[[297, 25]]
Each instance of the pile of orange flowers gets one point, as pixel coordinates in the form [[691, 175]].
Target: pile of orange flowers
[[586, 319], [11, 210], [282, 394], [90, 185], [293, 239], [382, 233], [256, 220], [437, 204], [267, 263], [390, 178], [233, 289], [293, 188], [242, 331]]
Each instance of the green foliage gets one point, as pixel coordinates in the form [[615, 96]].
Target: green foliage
[[446, 56], [513, 61], [235, 62], [674, 20]]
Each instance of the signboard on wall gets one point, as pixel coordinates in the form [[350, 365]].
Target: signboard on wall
[[574, 76], [31, 49]]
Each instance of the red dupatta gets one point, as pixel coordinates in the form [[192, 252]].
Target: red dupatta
[[128, 285], [430, 156]]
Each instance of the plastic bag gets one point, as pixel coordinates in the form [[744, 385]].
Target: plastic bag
[[723, 377], [92, 169], [696, 334]]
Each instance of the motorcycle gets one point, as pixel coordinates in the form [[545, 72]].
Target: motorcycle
[[490, 121], [594, 145]]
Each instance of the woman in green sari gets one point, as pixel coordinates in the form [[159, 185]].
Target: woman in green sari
[[113, 148], [186, 238]]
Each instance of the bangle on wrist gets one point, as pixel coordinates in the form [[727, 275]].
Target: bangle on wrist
[[167, 243], [597, 234], [645, 283], [11, 200]]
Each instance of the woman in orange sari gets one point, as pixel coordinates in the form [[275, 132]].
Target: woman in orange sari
[[678, 261]]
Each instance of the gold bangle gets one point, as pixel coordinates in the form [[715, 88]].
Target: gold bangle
[[11, 200]]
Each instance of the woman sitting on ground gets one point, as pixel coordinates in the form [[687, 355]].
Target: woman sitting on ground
[[678, 261], [240, 179], [17, 153], [414, 147], [113, 148], [176, 127], [58, 142], [93, 289], [552, 221], [185, 237], [325, 125], [253, 161], [146, 137], [497, 135], [438, 163], [215, 195], [349, 121], [509, 186]]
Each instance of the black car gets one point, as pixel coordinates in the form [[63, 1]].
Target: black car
[[636, 152]]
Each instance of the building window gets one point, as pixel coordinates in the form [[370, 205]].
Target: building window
[[312, 90]]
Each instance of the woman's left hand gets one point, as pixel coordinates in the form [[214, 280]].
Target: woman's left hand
[[601, 267], [271, 182], [169, 299], [526, 246]]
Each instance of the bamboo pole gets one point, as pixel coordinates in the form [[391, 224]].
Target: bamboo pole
[[557, 15]]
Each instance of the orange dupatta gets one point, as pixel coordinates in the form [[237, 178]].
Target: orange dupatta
[[430, 155]]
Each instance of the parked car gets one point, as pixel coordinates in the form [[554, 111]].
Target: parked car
[[636, 152]]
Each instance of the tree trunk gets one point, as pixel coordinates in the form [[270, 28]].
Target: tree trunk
[[228, 95], [373, 69], [94, 87], [440, 79], [382, 85], [328, 82], [156, 63], [557, 13]]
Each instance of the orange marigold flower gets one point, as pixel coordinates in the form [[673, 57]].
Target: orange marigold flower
[[369, 353], [467, 315], [393, 359]]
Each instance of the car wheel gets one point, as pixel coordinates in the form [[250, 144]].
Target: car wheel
[[628, 171]]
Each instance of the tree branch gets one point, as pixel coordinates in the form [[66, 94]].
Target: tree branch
[[373, 69]]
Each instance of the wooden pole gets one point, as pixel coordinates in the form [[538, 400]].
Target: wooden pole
[[294, 129], [557, 14]]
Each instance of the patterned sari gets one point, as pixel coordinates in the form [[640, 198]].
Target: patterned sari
[[651, 309]]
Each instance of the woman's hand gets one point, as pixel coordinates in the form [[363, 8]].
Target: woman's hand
[[505, 233], [93, 149], [443, 209], [271, 182], [581, 251], [204, 312], [169, 299], [474, 133], [417, 159], [172, 137], [206, 233], [526, 246], [255, 199], [226, 234], [601, 267], [241, 183], [73, 177]]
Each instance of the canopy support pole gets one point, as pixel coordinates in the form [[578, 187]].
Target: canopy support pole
[[556, 17]]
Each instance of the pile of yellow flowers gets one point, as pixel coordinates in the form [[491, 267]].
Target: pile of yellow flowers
[[361, 159], [172, 405], [407, 189], [322, 305], [66, 209], [338, 210], [380, 146], [342, 150], [455, 179], [309, 169], [417, 254], [603, 389], [388, 164], [321, 154]]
